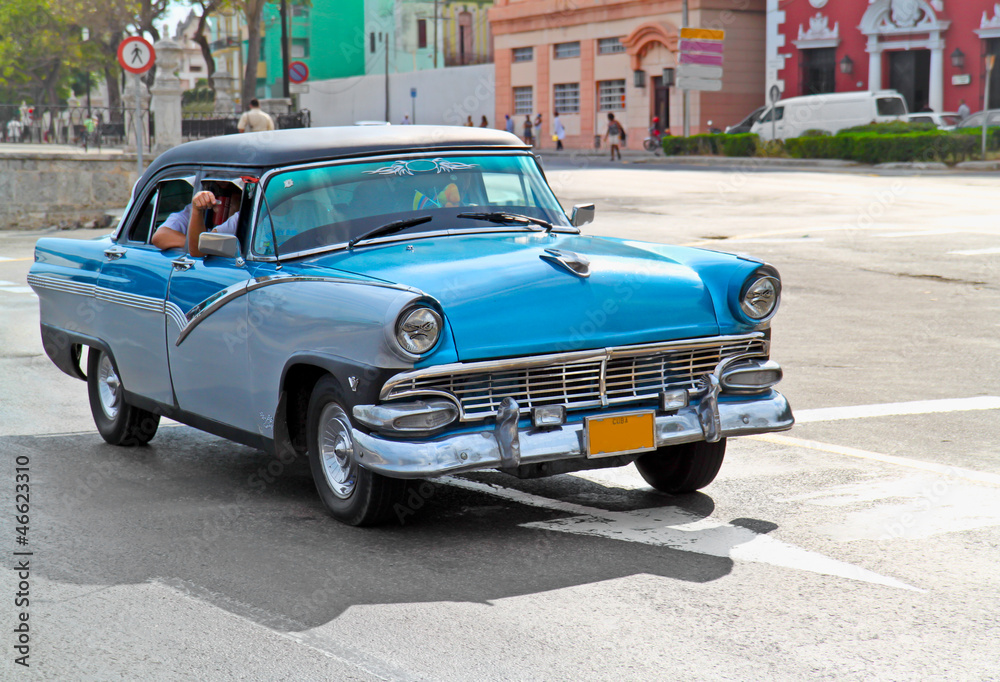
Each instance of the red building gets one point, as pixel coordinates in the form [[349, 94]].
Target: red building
[[931, 51]]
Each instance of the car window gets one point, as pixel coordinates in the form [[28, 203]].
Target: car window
[[139, 230], [921, 119], [994, 118], [780, 114], [949, 120], [975, 120], [890, 106], [322, 206]]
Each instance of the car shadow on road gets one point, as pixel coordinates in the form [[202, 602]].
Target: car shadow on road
[[221, 520]]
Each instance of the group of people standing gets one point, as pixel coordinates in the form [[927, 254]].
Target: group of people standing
[[531, 128]]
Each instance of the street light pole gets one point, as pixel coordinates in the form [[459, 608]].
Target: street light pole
[[685, 102], [286, 93], [990, 63], [387, 76]]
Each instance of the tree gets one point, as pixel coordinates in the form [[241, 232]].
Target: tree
[[252, 12]]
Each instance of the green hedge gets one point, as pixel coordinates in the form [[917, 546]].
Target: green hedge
[[881, 147], [742, 144], [890, 128], [992, 137]]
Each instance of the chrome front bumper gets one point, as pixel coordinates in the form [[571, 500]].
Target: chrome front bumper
[[506, 445]]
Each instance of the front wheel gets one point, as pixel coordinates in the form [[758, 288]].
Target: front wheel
[[682, 468], [118, 422], [352, 494], [649, 145]]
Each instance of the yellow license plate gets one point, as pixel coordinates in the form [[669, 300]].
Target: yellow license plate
[[621, 434]]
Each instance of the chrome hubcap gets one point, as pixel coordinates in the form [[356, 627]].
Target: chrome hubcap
[[336, 451], [109, 388]]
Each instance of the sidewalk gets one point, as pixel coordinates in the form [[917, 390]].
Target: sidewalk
[[61, 150], [635, 156]]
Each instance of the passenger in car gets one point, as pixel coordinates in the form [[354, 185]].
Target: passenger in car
[[182, 229]]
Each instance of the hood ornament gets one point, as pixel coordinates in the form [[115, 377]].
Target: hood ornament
[[576, 263]]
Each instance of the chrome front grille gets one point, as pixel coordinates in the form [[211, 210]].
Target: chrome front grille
[[578, 380]]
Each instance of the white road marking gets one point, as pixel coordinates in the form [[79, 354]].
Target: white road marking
[[918, 233], [827, 414], [977, 252], [912, 508], [15, 288], [774, 240], [681, 530], [3, 258], [944, 469]]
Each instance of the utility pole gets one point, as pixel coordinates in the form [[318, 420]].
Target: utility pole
[[284, 49], [436, 33], [685, 102], [387, 77]]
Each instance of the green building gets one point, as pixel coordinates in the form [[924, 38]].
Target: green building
[[327, 36]]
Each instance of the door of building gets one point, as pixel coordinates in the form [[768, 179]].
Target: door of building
[[993, 48], [661, 103], [910, 74]]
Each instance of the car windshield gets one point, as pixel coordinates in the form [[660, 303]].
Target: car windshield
[[329, 205]]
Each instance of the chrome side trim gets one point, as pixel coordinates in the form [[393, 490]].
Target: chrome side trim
[[61, 284], [206, 308], [174, 312]]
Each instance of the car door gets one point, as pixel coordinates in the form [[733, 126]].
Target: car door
[[132, 290], [207, 341]]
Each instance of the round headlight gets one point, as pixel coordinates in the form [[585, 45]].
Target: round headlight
[[418, 330], [760, 297]]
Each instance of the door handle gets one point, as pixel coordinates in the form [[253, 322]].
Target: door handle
[[182, 263], [114, 252]]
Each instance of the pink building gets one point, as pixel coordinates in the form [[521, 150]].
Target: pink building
[[931, 51], [586, 58]]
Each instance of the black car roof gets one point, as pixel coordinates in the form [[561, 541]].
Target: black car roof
[[283, 147]]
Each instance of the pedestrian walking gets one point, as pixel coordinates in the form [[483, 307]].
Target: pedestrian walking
[[468, 122], [254, 120], [484, 123], [405, 121], [529, 138], [508, 123], [614, 136], [538, 129], [963, 110], [560, 131]]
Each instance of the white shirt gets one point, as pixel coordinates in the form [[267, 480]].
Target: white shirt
[[178, 222]]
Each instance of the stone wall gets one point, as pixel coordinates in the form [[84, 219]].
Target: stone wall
[[41, 189]]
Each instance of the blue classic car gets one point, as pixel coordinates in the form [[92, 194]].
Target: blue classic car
[[405, 302]]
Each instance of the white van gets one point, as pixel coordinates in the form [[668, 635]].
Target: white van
[[830, 112]]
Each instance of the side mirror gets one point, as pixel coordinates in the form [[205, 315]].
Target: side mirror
[[214, 244], [582, 214]]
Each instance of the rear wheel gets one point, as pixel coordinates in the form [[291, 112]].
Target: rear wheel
[[351, 493], [118, 422], [682, 468]]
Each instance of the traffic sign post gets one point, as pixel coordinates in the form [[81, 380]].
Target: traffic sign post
[[775, 95], [136, 55], [298, 72], [700, 59], [413, 105]]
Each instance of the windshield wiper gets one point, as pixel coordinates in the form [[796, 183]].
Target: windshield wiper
[[503, 218], [389, 228]]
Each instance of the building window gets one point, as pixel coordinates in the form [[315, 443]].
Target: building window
[[371, 42], [819, 69], [421, 33], [610, 46], [567, 50], [523, 103], [611, 95], [524, 54], [299, 48], [195, 68], [300, 12], [567, 98]]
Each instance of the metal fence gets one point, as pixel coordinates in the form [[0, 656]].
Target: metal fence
[[73, 125], [99, 127]]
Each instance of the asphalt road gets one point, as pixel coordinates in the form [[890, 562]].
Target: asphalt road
[[861, 545]]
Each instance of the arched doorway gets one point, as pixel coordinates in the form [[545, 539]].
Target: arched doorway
[[910, 33], [652, 48]]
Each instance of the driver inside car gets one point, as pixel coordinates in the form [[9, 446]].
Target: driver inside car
[[182, 229]]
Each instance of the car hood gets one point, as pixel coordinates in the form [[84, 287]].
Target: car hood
[[503, 296]]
